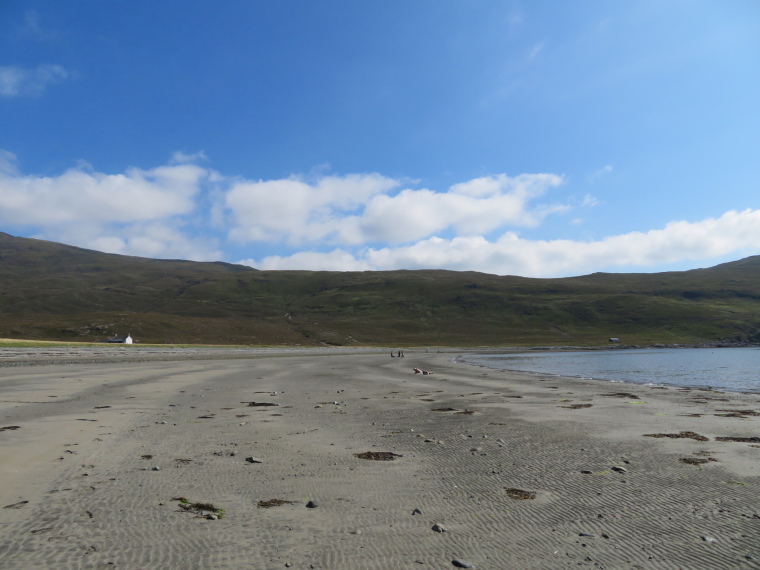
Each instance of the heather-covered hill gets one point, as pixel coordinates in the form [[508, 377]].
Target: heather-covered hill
[[54, 291]]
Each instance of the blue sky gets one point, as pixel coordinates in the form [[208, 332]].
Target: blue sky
[[537, 138]]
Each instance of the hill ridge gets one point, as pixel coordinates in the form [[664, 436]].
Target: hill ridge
[[54, 291]]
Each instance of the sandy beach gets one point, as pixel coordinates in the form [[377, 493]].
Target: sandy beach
[[254, 460]]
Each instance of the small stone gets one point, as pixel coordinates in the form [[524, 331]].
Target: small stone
[[620, 469], [462, 563], [709, 539], [438, 528], [590, 535], [253, 460], [156, 468], [417, 512], [233, 453], [311, 505], [357, 531], [586, 472], [288, 565], [605, 535]]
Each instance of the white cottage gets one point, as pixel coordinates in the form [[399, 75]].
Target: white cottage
[[121, 339]]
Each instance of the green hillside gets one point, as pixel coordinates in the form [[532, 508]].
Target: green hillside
[[58, 292]]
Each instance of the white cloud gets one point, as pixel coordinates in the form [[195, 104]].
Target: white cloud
[[158, 241], [535, 51], [180, 157], [511, 255], [589, 200], [295, 211], [139, 212], [81, 196], [357, 209], [598, 173], [16, 81], [164, 239], [336, 260]]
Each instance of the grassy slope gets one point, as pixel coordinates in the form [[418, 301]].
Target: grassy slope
[[52, 291]]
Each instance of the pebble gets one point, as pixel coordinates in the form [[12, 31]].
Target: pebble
[[620, 469], [587, 534], [253, 460], [709, 539], [438, 528], [417, 512], [233, 453], [462, 563], [156, 468], [311, 505]]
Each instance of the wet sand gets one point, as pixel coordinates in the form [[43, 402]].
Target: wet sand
[[81, 438]]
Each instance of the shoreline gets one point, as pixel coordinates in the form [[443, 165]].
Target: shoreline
[[463, 359], [605, 494]]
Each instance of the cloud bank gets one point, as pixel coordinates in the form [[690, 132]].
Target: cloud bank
[[349, 222], [511, 255]]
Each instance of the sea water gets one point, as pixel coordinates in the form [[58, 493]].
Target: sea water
[[732, 369]]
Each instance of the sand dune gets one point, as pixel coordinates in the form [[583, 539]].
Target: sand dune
[[110, 461]]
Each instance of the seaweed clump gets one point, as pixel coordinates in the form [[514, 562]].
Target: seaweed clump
[[377, 455], [696, 460], [679, 435], [622, 395], [205, 510], [273, 503], [519, 493]]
